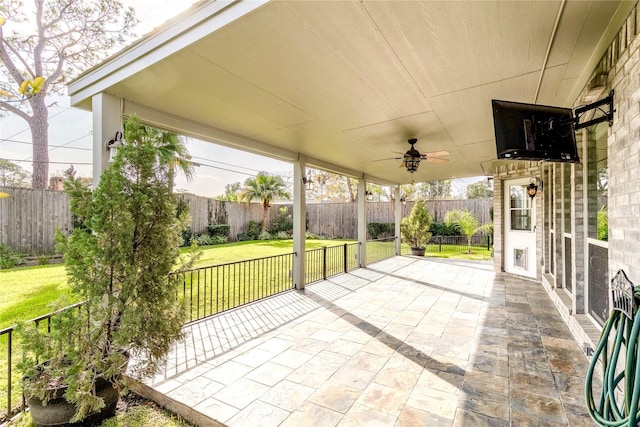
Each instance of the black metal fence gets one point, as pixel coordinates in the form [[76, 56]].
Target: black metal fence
[[210, 290], [7, 349], [206, 291], [380, 249], [454, 244], [330, 261]]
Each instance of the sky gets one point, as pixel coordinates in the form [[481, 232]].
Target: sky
[[70, 138]]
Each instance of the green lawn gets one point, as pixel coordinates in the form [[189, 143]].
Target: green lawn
[[241, 251], [478, 254], [264, 271], [28, 291]]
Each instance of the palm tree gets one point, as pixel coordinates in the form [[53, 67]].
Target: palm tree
[[172, 151], [263, 187], [466, 223]]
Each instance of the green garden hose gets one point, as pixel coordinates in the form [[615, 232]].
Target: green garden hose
[[620, 391]]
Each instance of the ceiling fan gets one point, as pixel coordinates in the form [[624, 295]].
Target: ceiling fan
[[412, 158]]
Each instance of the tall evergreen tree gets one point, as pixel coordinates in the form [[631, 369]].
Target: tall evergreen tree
[[119, 262]]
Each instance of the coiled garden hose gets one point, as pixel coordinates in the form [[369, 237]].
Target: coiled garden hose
[[617, 383]]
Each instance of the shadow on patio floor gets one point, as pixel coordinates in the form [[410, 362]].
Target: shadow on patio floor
[[406, 342]]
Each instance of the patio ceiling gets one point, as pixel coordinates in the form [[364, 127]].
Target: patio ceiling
[[347, 83]]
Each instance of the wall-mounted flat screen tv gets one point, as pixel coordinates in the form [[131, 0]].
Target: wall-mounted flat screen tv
[[534, 132]]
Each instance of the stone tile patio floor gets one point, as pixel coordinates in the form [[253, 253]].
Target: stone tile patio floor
[[405, 342]]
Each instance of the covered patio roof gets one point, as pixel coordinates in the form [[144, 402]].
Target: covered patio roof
[[346, 83]]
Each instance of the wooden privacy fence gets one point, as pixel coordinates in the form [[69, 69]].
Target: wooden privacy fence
[[29, 218]]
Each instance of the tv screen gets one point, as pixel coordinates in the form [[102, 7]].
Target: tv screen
[[534, 132]]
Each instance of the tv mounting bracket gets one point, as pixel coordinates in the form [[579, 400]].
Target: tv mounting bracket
[[580, 111]]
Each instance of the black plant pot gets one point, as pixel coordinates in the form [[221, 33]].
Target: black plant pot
[[58, 412], [417, 251]]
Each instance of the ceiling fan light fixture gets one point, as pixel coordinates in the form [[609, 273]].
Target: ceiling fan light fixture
[[412, 163], [412, 157]]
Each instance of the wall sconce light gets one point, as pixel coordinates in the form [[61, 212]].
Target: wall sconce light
[[113, 144], [369, 195], [403, 199], [532, 188], [307, 182]]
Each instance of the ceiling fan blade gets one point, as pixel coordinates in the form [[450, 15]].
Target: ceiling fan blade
[[437, 154], [389, 158], [436, 160]]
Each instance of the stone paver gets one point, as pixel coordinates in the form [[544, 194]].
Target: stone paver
[[405, 342]]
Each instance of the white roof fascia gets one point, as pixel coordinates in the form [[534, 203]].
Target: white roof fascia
[[158, 45]]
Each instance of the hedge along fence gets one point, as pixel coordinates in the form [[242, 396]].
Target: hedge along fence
[[29, 218]]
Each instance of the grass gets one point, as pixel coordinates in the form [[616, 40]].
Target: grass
[[28, 291], [138, 413], [266, 271], [477, 254], [241, 251]]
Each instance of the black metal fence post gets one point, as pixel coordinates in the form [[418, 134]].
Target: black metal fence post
[[324, 263], [345, 258], [9, 379]]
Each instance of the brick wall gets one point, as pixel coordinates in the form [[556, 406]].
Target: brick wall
[[624, 155]]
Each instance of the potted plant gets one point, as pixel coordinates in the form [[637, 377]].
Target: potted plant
[[119, 263], [415, 228]]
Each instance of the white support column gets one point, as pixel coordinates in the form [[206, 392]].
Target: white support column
[[398, 219], [362, 221], [299, 221], [107, 120]]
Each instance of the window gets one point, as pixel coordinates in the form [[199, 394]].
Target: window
[[520, 208], [566, 172], [598, 184]]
